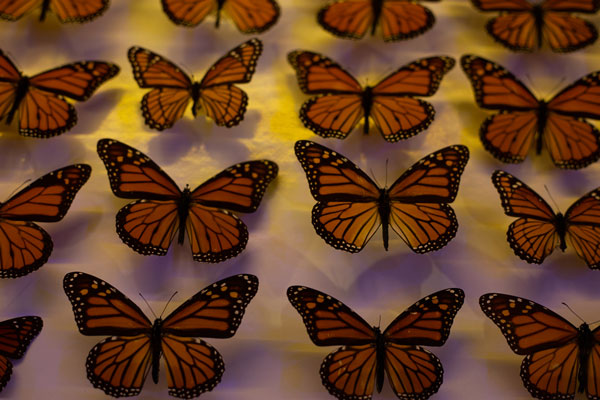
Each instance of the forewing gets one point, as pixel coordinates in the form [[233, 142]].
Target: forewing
[[583, 226], [519, 200], [414, 372], [8, 71], [43, 114], [216, 311], [100, 309], [188, 13], [78, 10], [252, 16], [237, 66], [428, 321], [349, 372], [16, 334], [347, 18], [336, 115], [239, 187], [495, 87], [77, 81], [527, 326], [133, 174], [552, 373], [162, 107], [119, 365], [24, 247], [318, 74], [401, 20], [152, 70], [580, 99], [566, 33], [5, 371], [12, 10]]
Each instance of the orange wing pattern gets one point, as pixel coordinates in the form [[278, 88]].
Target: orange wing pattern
[[350, 372], [583, 228], [399, 19], [15, 336], [66, 10]]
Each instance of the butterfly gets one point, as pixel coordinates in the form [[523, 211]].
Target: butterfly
[[24, 246], [216, 93], [149, 225], [119, 364], [352, 371], [538, 230], [65, 10], [524, 121], [523, 26], [249, 16], [399, 19], [38, 101], [561, 359], [15, 336], [342, 102], [351, 207]]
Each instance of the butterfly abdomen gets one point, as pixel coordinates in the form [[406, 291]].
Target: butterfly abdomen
[[585, 342], [183, 210], [538, 16], [380, 354], [542, 114], [156, 345], [45, 8], [383, 206], [219, 8], [195, 93], [367, 103], [377, 7], [560, 224], [20, 93]]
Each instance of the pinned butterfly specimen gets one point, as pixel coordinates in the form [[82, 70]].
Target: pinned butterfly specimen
[[525, 122], [342, 102], [120, 363], [149, 225], [249, 16], [538, 230], [525, 25], [15, 336], [216, 93], [66, 10], [354, 370], [399, 19], [351, 207], [38, 101], [560, 358], [24, 246]]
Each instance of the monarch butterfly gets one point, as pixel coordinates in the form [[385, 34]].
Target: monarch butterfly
[[24, 246], [119, 364], [352, 371], [42, 110], [525, 121], [342, 102], [149, 225], [66, 10], [249, 16], [399, 19], [523, 26], [351, 207], [15, 336], [538, 230], [559, 355], [172, 89]]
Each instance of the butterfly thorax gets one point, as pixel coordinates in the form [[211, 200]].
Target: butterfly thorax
[[377, 7], [560, 224], [45, 8], [195, 93], [383, 206], [380, 354], [156, 346], [542, 117], [538, 16], [184, 210], [219, 8], [585, 342], [367, 103], [20, 93]]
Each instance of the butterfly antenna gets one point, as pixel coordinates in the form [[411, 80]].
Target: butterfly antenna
[[386, 170], [552, 198], [574, 313], [373, 175], [145, 301], [166, 305]]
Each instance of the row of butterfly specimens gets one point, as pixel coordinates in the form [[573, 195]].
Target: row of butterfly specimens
[[384, 275]]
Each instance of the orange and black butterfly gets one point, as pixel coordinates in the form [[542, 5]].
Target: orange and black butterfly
[[354, 370], [525, 122], [120, 363], [216, 93], [24, 246], [65, 10], [15, 336], [351, 207], [249, 16], [537, 231], [560, 358], [524, 26], [149, 225], [399, 19], [38, 101], [342, 102]]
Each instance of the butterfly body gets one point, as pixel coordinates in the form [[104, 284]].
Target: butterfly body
[[585, 342], [20, 92], [377, 6], [45, 8]]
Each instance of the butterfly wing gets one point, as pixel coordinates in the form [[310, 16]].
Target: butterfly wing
[[419, 211], [9, 79], [12, 10], [188, 13], [346, 214], [78, 10], [171, 87], [583, 228], [593, 364], [252, 16], [338, 108], [533, 236], [347, 18], [15, 336], [193, 366], [402, 19], [223, 102], [349, 372], [565, 32]]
